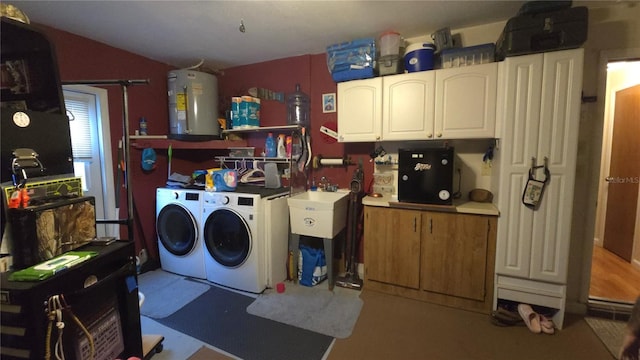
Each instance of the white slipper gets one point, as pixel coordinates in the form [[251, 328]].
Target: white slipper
[[530, 317], [546, 325]]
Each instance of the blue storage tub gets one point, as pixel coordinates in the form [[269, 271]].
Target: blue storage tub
[[352, 60]]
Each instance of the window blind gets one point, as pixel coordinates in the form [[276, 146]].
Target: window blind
[[80, 127]]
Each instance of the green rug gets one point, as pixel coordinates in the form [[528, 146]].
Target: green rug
[[610, 332]]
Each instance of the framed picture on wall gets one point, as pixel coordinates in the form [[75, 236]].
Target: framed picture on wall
[[329, 103]]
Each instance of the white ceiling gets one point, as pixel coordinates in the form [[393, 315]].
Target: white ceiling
[[180, 33]]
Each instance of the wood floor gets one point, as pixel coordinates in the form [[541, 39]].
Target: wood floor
[[612, 277]]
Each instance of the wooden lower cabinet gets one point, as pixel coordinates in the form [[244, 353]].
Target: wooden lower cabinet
[[438, 257], [395, 244]]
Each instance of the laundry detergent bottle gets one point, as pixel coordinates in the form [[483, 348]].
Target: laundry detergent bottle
[[281, 150], [270, 146]]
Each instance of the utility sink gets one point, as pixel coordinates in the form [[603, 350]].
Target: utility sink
[[318, 213]]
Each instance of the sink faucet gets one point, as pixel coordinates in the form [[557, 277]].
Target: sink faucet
[[325, 184]]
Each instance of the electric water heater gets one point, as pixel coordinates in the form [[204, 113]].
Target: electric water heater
[[193, 105]]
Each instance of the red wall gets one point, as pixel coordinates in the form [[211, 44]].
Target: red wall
[[310, 71], [84, 59]]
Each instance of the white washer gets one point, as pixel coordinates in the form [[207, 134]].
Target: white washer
[[241, 251], [178, 214]]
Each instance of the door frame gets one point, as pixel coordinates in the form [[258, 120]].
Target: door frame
[[106, 169], [607, 106]]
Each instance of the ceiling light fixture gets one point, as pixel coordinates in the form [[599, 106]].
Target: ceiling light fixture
[[242, 28]]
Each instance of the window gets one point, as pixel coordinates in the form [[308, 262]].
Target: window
[[88, 114]]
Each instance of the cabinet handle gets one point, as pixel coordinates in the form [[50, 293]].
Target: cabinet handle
[[430, 135], [439, 135], [415, 224], [430, 226]]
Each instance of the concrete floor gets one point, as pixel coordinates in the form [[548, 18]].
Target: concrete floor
[[176, 345]]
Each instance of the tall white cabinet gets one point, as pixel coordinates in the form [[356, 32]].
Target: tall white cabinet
[[539, 115]]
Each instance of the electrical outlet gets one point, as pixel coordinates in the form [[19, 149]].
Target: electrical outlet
[[383, 189]]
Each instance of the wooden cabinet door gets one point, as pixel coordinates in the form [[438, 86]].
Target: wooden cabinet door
[[392, 246], [465, 105], [408, 106], [454, 254], [360, 110]]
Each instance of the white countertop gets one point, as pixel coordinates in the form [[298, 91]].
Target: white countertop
[[459, 206]]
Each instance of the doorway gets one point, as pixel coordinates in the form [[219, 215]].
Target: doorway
[[615, 270], [87, 109]]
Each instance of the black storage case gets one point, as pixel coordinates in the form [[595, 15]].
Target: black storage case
[[114, 291], [44, 231], [46, 134], [539, 32]]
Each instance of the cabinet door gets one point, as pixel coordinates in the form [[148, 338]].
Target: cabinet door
[[522, 91], [408, 106], [558, 141], [466, 102], [392, 246], [454, 254], [541, 120], [360, 110]]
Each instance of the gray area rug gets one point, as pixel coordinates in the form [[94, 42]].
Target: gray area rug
[[165, 293], [610, 332], [219, 318], [311, 308]]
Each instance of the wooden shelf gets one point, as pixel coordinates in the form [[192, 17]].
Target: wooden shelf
[[194, 145]]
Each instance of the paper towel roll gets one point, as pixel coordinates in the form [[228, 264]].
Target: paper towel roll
[[329, 162]]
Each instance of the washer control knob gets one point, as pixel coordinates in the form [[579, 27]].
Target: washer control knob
[[176, 195], [224, 200]]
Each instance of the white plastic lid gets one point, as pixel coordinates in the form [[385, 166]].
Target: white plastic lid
[[420, 45]]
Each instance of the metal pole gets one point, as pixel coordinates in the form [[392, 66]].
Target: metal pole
[[127, 160], [125, 135], [106, 82]]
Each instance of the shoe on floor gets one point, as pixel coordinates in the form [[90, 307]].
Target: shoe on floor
[[530, 317], [546, 325], [503, 317]]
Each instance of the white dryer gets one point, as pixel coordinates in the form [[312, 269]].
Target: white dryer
[[178, 214], [240, 250]]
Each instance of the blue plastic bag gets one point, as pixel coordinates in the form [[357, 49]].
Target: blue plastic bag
[[312, 266]]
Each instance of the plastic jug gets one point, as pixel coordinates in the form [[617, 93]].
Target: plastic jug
[[298, 108], [270, 146]]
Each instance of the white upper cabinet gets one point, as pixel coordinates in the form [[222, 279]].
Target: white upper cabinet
[[407, 109], [360, 110], [465, 105], [455, 103]]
